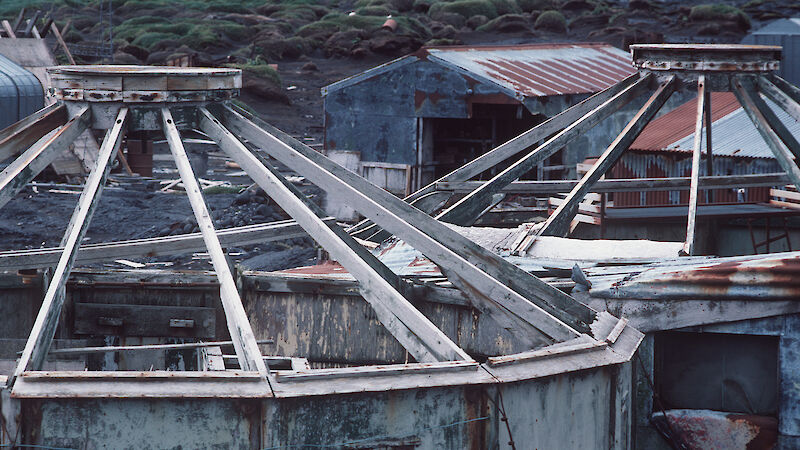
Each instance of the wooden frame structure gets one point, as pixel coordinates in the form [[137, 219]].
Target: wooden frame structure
[[125, 98], [664, 69]]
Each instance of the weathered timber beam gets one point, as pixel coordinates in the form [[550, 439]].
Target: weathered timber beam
[[378, 285], [510, 148], [691, 223], [21, 135], [167, 245], [30, 163], [244, 340], [782, 98], [44, 328], [625, 184], [467, 210], [774, 121], [752, 103], [558, 223], [483, 275], [780, 91]]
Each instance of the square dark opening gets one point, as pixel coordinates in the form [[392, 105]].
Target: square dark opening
[[721, 372]]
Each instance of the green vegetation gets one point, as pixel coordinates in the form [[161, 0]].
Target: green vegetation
[[535, 5], [465, 8], [719, 12], [552, 21], [259, 69]]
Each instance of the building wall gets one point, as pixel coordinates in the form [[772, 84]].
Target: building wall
[[790, 61], [378, 116], [636, 164], [590, 409]]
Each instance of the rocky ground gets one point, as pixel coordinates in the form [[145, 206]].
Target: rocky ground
[[313, 44]]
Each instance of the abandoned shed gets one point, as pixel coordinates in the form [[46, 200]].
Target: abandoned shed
[[436, 109]]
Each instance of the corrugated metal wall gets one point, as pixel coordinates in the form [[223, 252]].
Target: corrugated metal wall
[[21, 93], [662, 165], [790, 62]]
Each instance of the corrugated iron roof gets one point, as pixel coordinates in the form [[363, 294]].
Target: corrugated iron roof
[[537, 70], [732, 131], [675, 125], [531, 70]]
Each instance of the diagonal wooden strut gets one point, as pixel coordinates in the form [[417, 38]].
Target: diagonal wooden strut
[[30, 163], [756, 110], [367, 228], [27, 131], [44, 327], [378, 285], [244, 341], [783, 93], [482, 274], [694, 185], [558, 223], [467, 210]]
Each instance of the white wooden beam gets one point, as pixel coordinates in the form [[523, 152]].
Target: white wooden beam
[[694, 186], [378, 285], [244, 341], [558, 223], [484, 276], [21, 135], [25, 168], [467, 210], [44, 327]]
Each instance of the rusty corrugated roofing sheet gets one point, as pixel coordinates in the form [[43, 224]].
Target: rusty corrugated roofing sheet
[[537, 70], [675, 125], [732, 132]]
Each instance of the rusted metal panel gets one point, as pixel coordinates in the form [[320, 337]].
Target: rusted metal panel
[[536, 70], [674, 164], [773, 277], [706, 429]]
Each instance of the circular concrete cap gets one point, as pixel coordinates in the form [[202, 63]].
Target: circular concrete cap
[[143, 84], [706, 57]]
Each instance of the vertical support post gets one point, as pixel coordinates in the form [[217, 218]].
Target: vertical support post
[[44, 327], [244, 340], [709, 152], [558, 223], [694, 184]]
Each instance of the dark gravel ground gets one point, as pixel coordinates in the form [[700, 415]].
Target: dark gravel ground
[[37, 218]]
